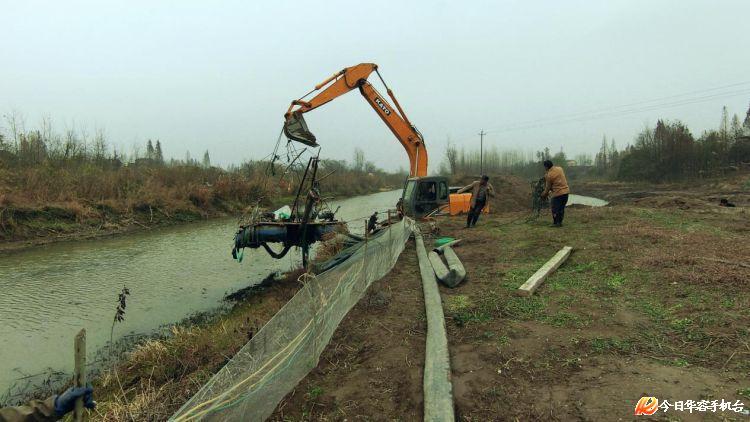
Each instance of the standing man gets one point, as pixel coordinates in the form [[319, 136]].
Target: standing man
[[556, 186], [480, 190]]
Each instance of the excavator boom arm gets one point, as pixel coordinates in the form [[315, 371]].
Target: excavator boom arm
[[341, 83], [409, 138]]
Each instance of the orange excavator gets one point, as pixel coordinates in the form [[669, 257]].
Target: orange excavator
[[422, 195]]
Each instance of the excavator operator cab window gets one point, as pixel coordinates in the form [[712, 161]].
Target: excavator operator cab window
[[421, 197], [427, 191], [409, 191], [443, 191]]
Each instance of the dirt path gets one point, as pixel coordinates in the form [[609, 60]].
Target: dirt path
[[372, 368]]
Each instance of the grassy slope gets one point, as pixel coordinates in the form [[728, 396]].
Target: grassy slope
[[156, 378]]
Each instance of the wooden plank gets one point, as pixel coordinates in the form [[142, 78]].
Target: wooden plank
[[79, 377], [528, 288]]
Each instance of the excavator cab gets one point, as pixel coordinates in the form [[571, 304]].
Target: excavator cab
[[423, 195], [295, 128]]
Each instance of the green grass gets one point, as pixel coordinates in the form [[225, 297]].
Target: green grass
[[728, 302], [679, 362], [524, 308], [615, 282], [682, 325], [464, 318], [314, 392], [653, 309], [503, 341], [463, 311]]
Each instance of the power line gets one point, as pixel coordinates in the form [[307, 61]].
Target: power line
[[616, 110], [644, 102], [616, 113]]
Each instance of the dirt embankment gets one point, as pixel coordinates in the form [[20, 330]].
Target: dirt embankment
[[695, 194], [648, 304], [22, 227], [512, 192]]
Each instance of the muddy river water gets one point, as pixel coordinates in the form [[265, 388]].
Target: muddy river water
[[49, 293]]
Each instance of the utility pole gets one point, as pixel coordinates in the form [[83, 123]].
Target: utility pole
[[481, 152]]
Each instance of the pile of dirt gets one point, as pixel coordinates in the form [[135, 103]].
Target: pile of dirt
[[512, 192]]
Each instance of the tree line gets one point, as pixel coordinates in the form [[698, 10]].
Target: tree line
[[667, 151], [42, 145], [41, 166]]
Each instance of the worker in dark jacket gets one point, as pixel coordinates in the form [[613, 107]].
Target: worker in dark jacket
[[481, 190], [556, 186], [51, 409]]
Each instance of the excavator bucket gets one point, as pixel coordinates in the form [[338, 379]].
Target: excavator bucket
[[296, 129]]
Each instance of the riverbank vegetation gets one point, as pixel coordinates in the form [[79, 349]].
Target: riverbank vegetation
[[666, 152], [58, 186], [160, 374]]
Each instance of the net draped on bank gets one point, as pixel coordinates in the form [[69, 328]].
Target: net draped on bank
[[288, 347]]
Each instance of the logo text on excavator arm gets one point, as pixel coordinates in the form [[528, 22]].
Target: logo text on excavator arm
[[382, 106]]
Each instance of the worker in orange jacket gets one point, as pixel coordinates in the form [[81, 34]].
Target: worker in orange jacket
[[556, 186]]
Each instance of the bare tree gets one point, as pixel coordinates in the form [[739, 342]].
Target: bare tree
[[100, 144], [359, 159], [150, 152], [736, 127], [724, 127], [159, 154], [451, 154], [16, 124], [206, 160]]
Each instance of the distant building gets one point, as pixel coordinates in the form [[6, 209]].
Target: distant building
[[571, 163]]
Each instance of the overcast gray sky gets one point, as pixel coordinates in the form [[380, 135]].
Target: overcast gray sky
[[219, 75]]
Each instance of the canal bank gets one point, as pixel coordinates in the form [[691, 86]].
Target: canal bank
[[50, 292]]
